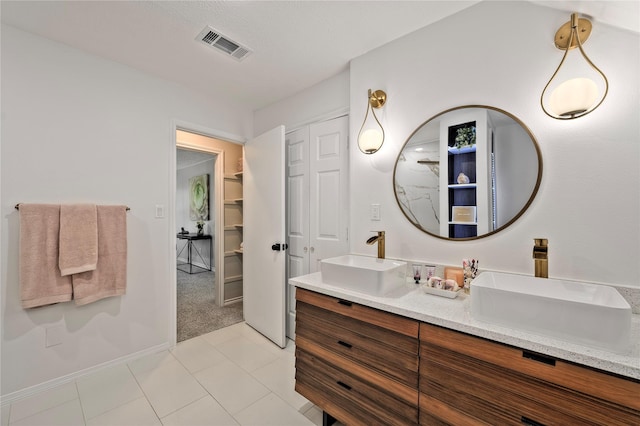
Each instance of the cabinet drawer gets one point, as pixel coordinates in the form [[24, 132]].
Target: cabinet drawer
[[360, 342], [434, 412], [382, 319], [508, 397], [509, 386], [392, 339], [383, 382], [352, 399]]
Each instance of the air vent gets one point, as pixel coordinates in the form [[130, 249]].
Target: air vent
[[214, 38]]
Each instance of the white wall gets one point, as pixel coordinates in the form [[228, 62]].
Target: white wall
[[78, 128], [183, 216], [588, 204], [319, 102]]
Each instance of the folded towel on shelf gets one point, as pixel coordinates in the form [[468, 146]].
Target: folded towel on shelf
[[110, 276], [41, 282], [78, 238]]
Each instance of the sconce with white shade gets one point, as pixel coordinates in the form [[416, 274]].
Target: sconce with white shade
[[371, 135], [579, 87]]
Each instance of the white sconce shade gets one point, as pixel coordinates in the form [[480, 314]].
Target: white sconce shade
[[371, 135], [573, 97], [370, 141]]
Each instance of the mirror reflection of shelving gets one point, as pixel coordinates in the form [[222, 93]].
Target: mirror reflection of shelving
[[462, 183], [464, 202]]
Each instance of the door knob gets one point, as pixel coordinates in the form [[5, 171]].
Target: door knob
[[305, 249], [279, 247], [312, 249]]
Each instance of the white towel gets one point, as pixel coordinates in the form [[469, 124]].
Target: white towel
[[40, 280], [78, 238]]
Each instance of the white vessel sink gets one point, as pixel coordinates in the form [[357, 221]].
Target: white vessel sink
[[588, 314], [363, 274]]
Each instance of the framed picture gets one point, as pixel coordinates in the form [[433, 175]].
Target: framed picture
[[199, 197], [463, 214]]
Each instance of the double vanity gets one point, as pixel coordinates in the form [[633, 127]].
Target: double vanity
[[374, 348]]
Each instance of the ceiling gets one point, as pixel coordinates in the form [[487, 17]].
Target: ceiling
[[295, 44], [187, 158]]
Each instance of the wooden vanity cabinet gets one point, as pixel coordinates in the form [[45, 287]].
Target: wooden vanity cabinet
[[467, 380], [358, 364]]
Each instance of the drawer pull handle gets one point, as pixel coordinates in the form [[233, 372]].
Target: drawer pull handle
[[344, 385], [527, 421], [540, 358], [345, 344], [345, 302]]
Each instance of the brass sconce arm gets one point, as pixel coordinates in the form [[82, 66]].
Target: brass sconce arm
[[573, 98]]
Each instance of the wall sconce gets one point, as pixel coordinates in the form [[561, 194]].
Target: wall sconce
[[573, 94], [371, 135]]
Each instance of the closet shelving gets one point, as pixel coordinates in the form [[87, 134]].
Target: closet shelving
[[233, 227]]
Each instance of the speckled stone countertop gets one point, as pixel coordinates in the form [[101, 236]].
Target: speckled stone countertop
[[412, 302]]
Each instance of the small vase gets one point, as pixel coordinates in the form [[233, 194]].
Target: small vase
[[200, 231]]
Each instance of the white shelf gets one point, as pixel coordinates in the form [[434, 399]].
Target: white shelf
[[234, 227], [463, 223], [463, 185], [233, 176], [232, 279], [238, 251], [463, 150], [234, 201]]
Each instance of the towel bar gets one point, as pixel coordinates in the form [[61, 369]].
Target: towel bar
[[18, 207]]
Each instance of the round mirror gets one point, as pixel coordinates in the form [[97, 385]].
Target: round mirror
[[467, 172]]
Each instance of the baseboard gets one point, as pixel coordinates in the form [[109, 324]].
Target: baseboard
[[32, 390], [183, 262], [232, 301], [291, 326]]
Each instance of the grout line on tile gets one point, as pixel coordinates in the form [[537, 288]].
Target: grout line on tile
[[306, 407], [84, 415], [271, 393], [8, 407], [122, 405], [143, 392]]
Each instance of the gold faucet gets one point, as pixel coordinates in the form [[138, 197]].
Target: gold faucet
[[540, 257], [380, 239]]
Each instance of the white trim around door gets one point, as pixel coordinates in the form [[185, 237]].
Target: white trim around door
[[171, 211]]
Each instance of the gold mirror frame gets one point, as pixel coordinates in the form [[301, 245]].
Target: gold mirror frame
[[516, 216]]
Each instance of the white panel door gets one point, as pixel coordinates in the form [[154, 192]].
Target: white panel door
[[298, 201], [297, 145], [329, 190], [317, 199], [264, 225]]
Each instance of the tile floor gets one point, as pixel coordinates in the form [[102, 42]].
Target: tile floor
[[232, 376]]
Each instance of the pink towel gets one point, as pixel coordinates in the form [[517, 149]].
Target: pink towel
[[78, 238], [110, 276], [40, 280]]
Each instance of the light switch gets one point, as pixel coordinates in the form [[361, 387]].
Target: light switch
[[159, 211], [375, 212]]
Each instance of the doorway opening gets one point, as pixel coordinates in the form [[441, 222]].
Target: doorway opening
[[205, 300]]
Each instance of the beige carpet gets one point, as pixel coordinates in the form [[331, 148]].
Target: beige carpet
[[197, 310]]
